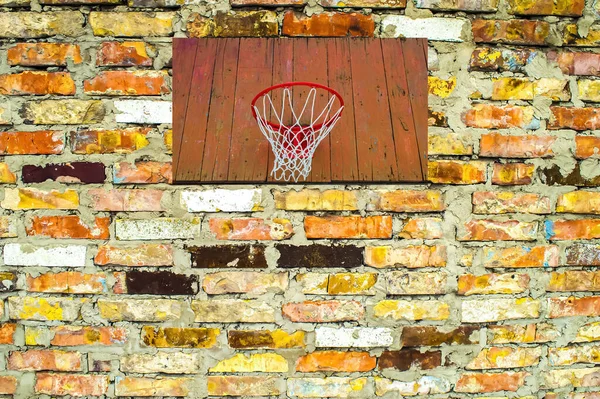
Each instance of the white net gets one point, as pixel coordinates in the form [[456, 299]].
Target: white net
[[294, 143]]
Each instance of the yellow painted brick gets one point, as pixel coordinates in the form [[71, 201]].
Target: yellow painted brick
[[589, 90], [132, 24], [448, 144], [441, 87], [30, 198], [6, 176], [259, 362], [45, 309], [412, 310], [316, 200]]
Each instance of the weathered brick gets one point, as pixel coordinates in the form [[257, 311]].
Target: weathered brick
[[504, 357], [51, 360], [6, 175], [141, 255], [571, 306], [364, 3], [336, 361], [155, 283], [8, 281], [70, 226], [493, 230], [143, 111], [530, 146], [174, 337], [338, 227], [509, 174], [224, 256], [449, 144], [160, 362], [351, 283], [573, 354], [316, 200], [127, 83], [498, 202], [126, 200], [44, 54], [407, 201], [28, 25], [123, 54], [571, 8], [413, 256], [8, 385], [511, 88], [314, 283], [252, 283], [251, 229], [405, 359], [140, 386], [424, 385], [587, 147], [37, 83], [156, 229], [357, 337], [510, 283], [43, 142], [412, 310], [494, 59], [576, 63], [522, 333], [490, 382], [436, 118], [489, 310], [232, 311], [462, 5], [309, 256], [255, 362], [434, 29], [143, 172], [589, 90], [415, 283], [514, 31], [244, 386], [107, 141], [576, 119], [72, 172], [8, 228], [588, 332], [220, 200], [586, 202], [68, 283], [31, 198], [576, 177], [71, 384], [441, 87], [131, 24], [422, 228], [328, 24], [63, 112], [456, 172], [580, 377], [81, 335], [7, 334], [323, 311], [44, 309], [436, 336], [488, 116], [151, 310], [520, 256], [583, 255], [583, 229], [265, 339], [28, 255], [242, 23], [572, 37]]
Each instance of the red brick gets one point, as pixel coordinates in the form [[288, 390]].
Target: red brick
[[328, 24], [127, 83], [323, 311], [490, 382], [123, 54], [87, 335], [587, 147], [407, 359], [488, 116], [126, 200], [340, 227], [583, 229], [498, 202], [493, 230], [142, 255], [457, 172], [583, 255], [348, 362], [514, 31], [572, 307], [37, 83], [105, 141], [572, 63], [43, 142], [43, 54], [436, 336], [7, 333], [69, 227], [512, 174], [68, 283], [574, 118], [569, 8], [71, 384], [143, 172], [529, 146], [408, 201], [36, 360], [8, 385], [574, 281], [251, 229]]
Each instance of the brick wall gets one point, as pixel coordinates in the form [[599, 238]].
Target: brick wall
[[116, 283]]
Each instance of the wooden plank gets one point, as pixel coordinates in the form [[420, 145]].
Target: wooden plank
[[402, 114], [310, 65], [416, 74], [184, 55], [344, 157], [249, 149], [196, 118], [375, 144], [215, 162]]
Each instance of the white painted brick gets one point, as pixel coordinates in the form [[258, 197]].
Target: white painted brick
[[156, 229], [143, 111], [29, 255], [442, 29], [423, 386], [161, 362], [488, 310], [358, 337], [219, 200], [330, 387]]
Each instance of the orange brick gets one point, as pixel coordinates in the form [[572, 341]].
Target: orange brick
[[490, 382], [323, 311], [127, 83], [492, 230], [572, 307], [328, 24], [69, 227], [251, 229], [43, 142], [43, 54], [126, 200], [37, 83], [68, 283], [71, 384], [413, 256], [498, 202], [141, 255], [143, 172], [530, 146], [336, 361], [512, 174], [510, 283], [514, 31], [106, 141], [35, 360], [457, 172], [8, 385], [123, 54], [574, 118], [339, 227], [587, 147], [583, 229], [408, 201], [574, 280], [488, 116], [87, 336], [422, 228], [7, 333]]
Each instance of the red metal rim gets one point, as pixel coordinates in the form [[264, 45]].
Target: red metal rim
[[289, 84]]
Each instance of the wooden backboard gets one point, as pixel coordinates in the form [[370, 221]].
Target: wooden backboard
[[381, 136]]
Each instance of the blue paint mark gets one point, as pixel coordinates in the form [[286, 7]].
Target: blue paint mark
[[534, 124], [104, 286], [526, 249], [549, 229], [118, 180]]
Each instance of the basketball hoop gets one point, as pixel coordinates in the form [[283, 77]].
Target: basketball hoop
[[295, 130]]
